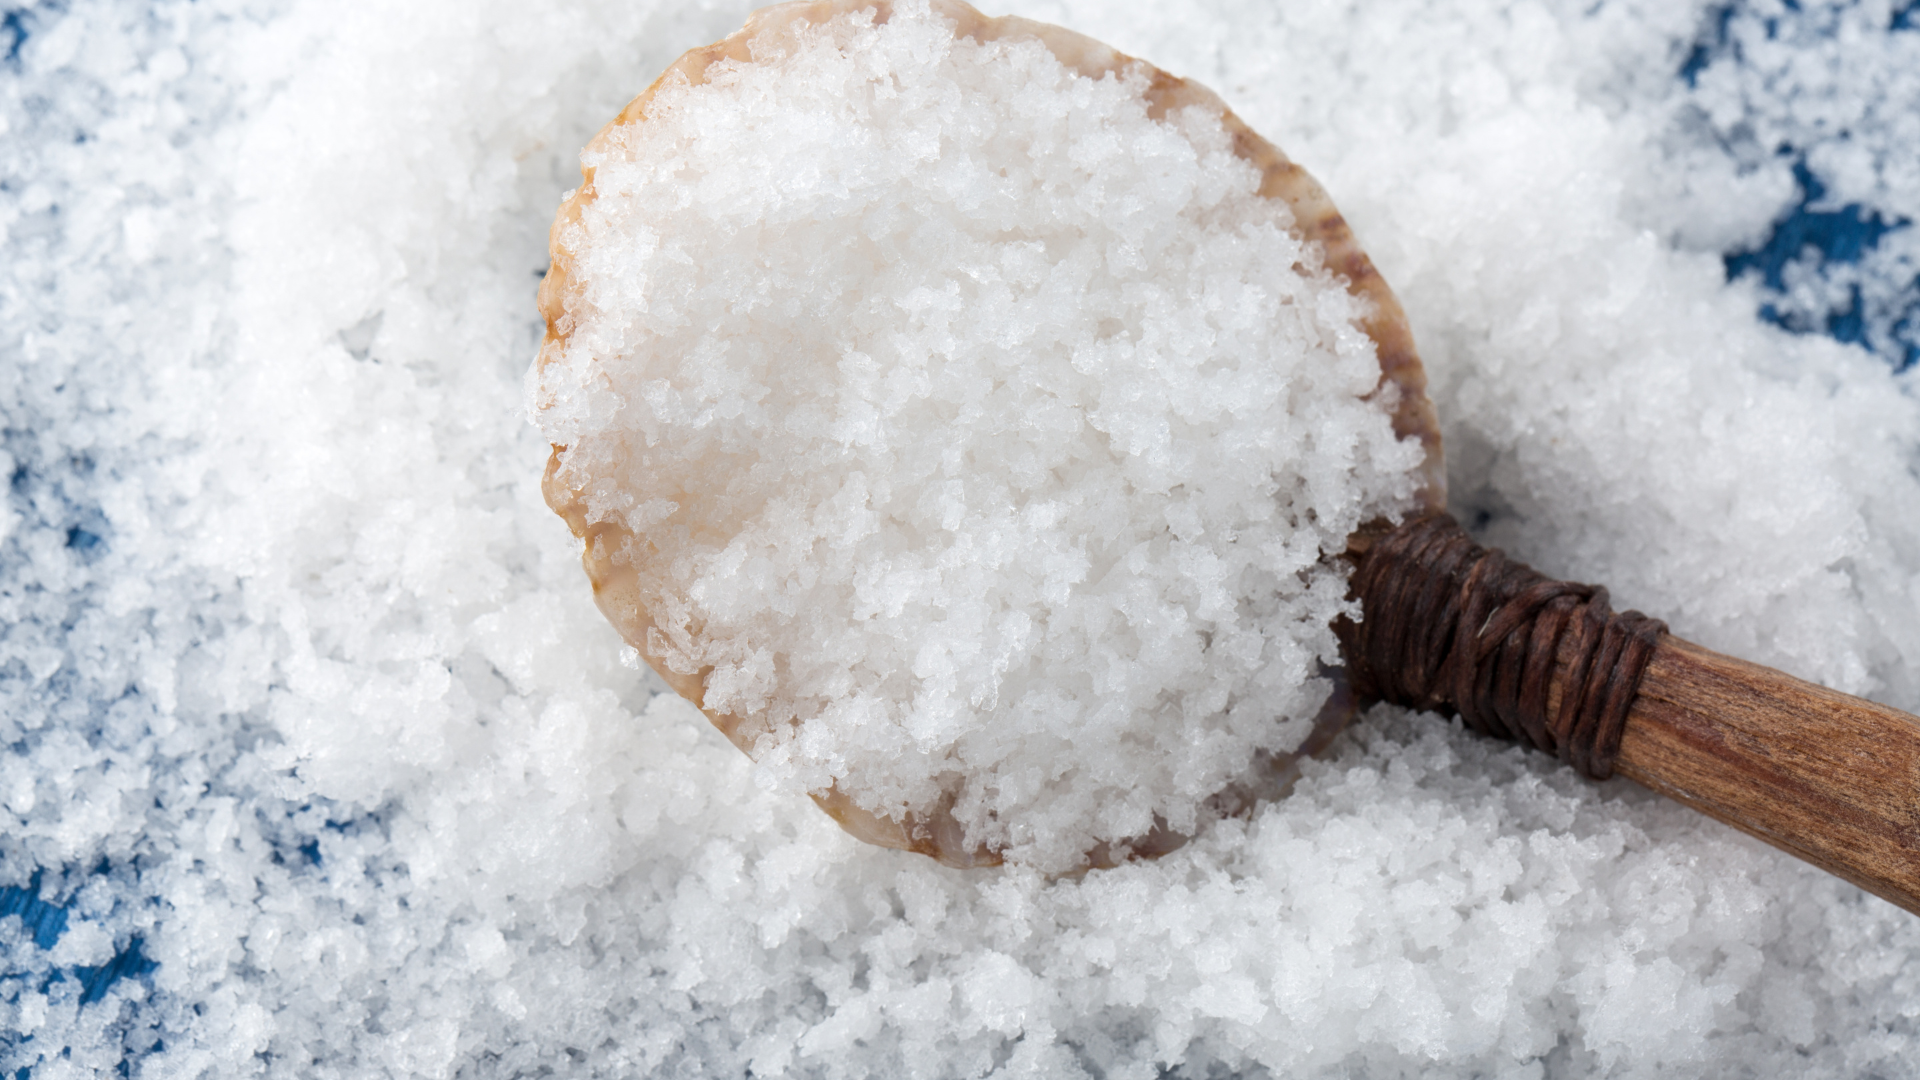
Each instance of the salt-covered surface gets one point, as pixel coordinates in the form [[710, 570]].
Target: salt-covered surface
[[315, 741]]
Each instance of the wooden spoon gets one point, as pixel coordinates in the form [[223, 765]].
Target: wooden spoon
[[1823, 775]]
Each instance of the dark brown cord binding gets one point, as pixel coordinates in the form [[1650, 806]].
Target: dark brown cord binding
[[1446, 622]]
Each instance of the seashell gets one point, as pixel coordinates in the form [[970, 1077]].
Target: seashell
[[616, 585]]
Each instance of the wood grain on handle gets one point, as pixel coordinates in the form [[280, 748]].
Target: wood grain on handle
[[1825, 776]]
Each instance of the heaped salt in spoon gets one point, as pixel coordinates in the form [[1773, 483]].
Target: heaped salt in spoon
[[962, 414], [972, 421]]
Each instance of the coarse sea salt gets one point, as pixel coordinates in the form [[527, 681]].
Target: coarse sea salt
[[302, 704], [966, 439]]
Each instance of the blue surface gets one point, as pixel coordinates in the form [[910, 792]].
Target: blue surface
[[1812, 233], [1830, 238], [45, 921], [13, 34]]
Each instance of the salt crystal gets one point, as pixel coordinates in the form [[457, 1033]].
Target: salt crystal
[[1424, 902], [1090, 408]]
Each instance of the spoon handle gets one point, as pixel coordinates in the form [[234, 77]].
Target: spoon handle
[[1449, 625], [1828, 777]]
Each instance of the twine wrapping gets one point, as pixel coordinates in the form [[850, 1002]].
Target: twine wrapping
[[1451, 626]]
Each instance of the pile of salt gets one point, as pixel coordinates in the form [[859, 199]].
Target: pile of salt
[[963, 438]]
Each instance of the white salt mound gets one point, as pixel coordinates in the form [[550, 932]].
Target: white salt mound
[[978, 436]]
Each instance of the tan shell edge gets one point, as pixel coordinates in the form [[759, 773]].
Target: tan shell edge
[[616, 586]]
